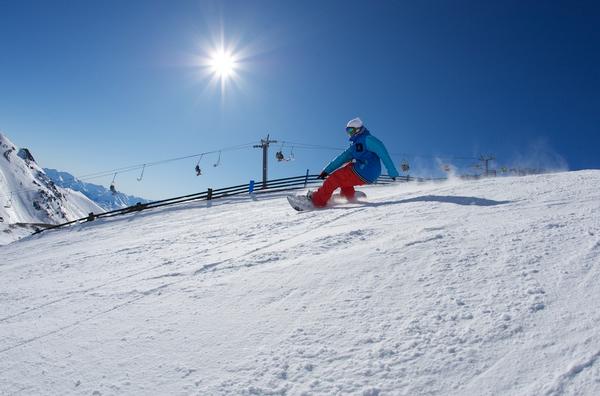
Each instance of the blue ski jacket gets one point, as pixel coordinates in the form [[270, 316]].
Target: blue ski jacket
[[366, 153]]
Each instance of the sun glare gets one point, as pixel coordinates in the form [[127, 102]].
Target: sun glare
[[222, 64]]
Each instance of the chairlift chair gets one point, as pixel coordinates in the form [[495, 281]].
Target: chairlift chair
[[142, 174], [281, 157], [218, 161], [197, 168], [112, 188], [405, 166]]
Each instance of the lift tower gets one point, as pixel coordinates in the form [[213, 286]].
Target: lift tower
[[264, 145]]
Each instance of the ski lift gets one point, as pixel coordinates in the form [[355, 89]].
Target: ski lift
[[112, 188], [8, 203], [405, 166], [197, 168], [218, 161], [142, 174], [280, 157]]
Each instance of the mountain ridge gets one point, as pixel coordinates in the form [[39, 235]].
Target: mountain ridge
[[101, 195], [29, 196]]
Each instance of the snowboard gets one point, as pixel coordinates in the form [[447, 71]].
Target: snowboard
[[301, 202]]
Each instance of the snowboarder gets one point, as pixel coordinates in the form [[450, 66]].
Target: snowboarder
[[359, 164]]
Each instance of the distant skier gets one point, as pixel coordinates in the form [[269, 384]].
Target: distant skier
[[359, 164]]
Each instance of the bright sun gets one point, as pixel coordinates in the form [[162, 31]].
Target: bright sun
[[222, 64]]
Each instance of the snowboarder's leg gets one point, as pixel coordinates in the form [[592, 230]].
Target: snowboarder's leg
[[348, 192], [351, 179], [344, 178], [320, 197]]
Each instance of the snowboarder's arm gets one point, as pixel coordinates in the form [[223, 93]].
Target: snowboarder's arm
[[376, 146], [340, 160]]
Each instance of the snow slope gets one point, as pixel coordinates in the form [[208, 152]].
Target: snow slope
[[28, 196], [482, 287]]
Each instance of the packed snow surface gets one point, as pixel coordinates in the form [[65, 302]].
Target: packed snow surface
[[480, 287]]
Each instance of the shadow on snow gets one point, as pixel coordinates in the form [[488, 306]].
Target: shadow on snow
[[457, 200]]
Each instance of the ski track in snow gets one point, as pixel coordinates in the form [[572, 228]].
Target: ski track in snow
[[486, 287]]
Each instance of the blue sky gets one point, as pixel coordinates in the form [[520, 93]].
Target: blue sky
[[94, 86]]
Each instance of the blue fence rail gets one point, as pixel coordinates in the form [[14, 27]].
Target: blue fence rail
[[272, 186]]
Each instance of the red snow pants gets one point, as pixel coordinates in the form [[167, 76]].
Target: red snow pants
[[343, 178]]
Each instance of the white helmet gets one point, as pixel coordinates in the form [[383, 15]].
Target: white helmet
[[355, 123], [354, 126]]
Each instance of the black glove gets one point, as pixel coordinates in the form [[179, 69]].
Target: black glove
[[323, 175]]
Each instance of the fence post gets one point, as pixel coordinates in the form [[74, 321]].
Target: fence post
[[306, 179], [251, 187], [209, 194]]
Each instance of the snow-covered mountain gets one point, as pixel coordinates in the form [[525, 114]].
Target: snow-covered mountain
[[487, 287], [28, 197], [97, 193]]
